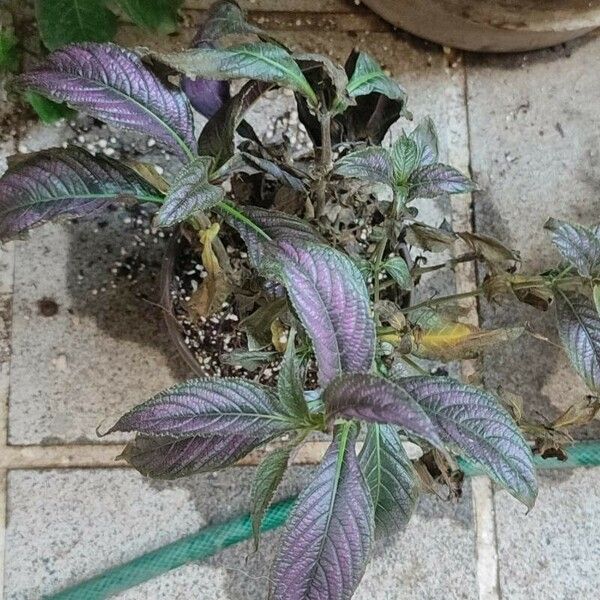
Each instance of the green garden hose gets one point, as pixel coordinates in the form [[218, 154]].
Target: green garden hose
[[213, 539]]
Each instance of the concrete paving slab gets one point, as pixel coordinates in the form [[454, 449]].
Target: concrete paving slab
[[534, 131], [552, 552], [70, 524]]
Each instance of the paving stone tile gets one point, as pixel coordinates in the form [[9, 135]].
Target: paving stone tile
[[552, 552], [70, 524], [534, 151]]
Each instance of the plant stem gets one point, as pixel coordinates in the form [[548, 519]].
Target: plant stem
[[449, 263], [240, 216], [379, 252], [325, 162], [442, 299], [411, 363]]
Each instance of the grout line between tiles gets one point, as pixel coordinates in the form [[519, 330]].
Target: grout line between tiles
[[486, 548], [104, 456]]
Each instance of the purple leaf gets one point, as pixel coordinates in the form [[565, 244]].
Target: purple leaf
[[392, 479], [579, 330], [370, 164], [437, 179], [325, 546], [68, 182], [165, 457], [472, 420], [578, 245], [329, 295], [376, 400], [209, 407], [277, 225], [425, 136], [191, 192], [207, 96], [111, 84]]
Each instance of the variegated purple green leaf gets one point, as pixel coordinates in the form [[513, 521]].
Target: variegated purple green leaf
[[391, 477], [327, 539], [276, 225], [425, 136], [166, 457], [217, 137], [437, 179], [374, 399], [227, 18], [69, 182], [578, 245], [579, 330], [259, 61], [268, 476], [474, 423], [368, 77], [191, 192], [111, 84], [405, 158], [330, 297], [209, 407], [370, 164]]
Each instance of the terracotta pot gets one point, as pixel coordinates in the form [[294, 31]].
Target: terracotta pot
[[167, 273], [492, 25]]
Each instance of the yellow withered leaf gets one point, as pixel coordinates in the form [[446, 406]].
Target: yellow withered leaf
[[215, 288], [453, 341]]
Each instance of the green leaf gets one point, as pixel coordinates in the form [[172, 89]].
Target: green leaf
[[579, 330], [398, 270], [268, 476], [258, 61], [9, 52], [368, 77], [290, 384], [596, 295], [405, 156], [369, 164], [391, 478], [191, 192], [48, 111], [63, 22], [425, 137], [156, 15]]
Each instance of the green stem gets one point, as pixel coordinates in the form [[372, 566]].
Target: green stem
[[411, 363], [379, 252], [242, 218]]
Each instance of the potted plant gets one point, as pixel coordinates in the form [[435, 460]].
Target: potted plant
[[316, 256]]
